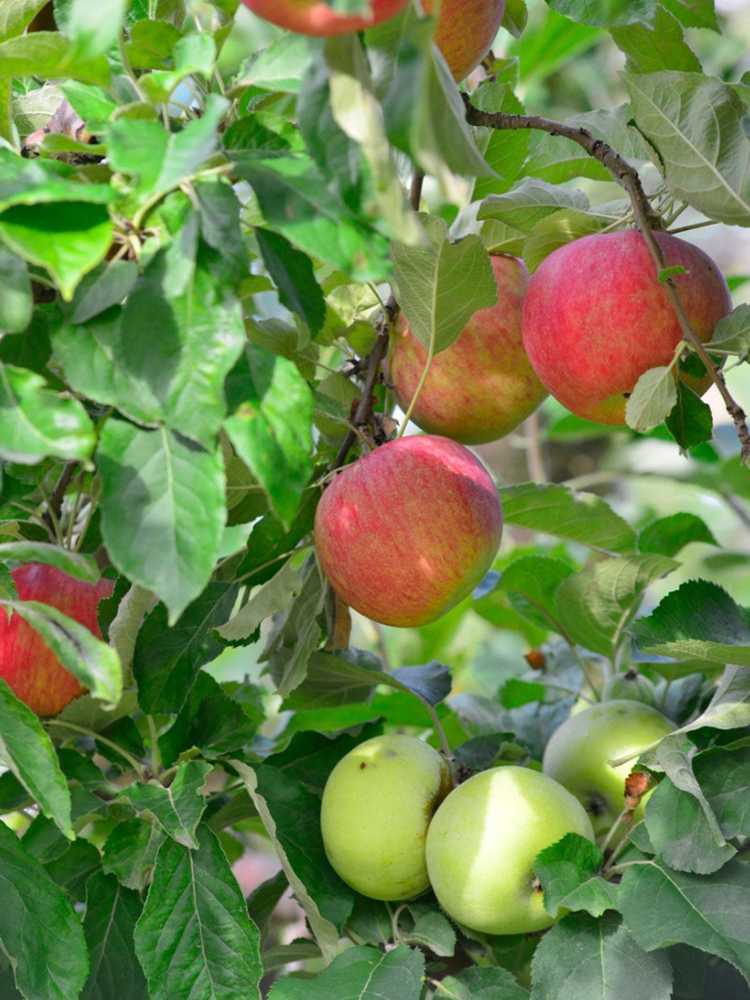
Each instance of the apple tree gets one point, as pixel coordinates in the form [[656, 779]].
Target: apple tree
[[374, 499]]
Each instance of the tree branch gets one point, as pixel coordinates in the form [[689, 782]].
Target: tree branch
[[52, 515], [646, 220]]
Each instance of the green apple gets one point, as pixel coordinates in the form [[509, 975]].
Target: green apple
[[482, 843], [377, 805], [630, 686], [579, 753]]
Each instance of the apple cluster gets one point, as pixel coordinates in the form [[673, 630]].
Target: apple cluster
[[393, 825]]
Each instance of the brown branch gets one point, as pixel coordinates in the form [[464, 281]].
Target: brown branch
[[647, 222], [51, 516]]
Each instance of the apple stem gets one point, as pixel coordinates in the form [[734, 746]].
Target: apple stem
[[646, 220]]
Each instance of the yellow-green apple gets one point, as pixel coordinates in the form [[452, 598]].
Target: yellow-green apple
[[482, 843], [32, 670], [377, 804], [483, 385], [579, 753], [630, 686], [408, 531], [465, 30], [596, 317], [315, 17]]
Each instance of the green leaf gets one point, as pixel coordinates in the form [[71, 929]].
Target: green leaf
[[505, 151], [280, 67], [363, 972], [669, 535], [690, 423], [695, 122], [606, 13], [598, 960], [73, 563], [178, 808], [46, 966], [192, 55], [92, 103], [130, 852], [559, 229], [652, 400], [111, 915], [36, 182], [515, 17], [194, 937], [167, 660], [27, 751], [577, 517], [271, 427], [729, 707], [596, 605], [46, 54], [442, 284], [530, 202], [662, 907], [295, 199], [291, 817], [271, 598], [161, 160], [732, 333], [488, 983], [660, 46], [102, 289], [95, 664], [16, 15], [680, 832], [531, 583], [178, 378], [698, 620], [72, 869], [151, 43], [293, 275], [94, 30], [298, 635], [68, 239], [568, 871], [15, 303], [162, 510]]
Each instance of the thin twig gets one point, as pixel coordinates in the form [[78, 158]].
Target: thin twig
[[51, 516], [534, 453], [646, 220]]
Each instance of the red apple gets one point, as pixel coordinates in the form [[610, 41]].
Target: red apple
[[483, 385], [596, 317], [314, 17], [28, 665], [465, 31], [408, 531]]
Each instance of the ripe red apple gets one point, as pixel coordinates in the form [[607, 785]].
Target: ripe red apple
[[408, 531], [483, 385], [29, 666], [314, 17], [596, 317], [465, 31]]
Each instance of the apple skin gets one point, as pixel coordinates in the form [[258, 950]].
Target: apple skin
[[482, 843], [408, 531], [465, 31], [482, 386], [30, 668], [630, 686], [596, 317], [579, 752], [377, 804], [314, 17]]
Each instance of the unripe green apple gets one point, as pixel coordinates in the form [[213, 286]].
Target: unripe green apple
[[482, 843], [579, 753], [630, 686], [377, 804]]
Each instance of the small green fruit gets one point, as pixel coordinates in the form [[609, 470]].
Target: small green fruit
[[483, 841], [579, 753], [630, 686], [377, 805]]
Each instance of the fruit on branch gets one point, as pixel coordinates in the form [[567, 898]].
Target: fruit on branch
[[465, 31], [314, 17], [482, 843], [29, 666], [579, 753], [483, 385], [630, 686], [407, 532], [377, 804], [596, 317]]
